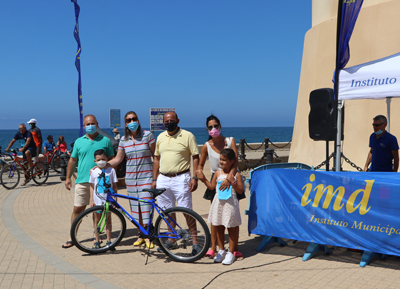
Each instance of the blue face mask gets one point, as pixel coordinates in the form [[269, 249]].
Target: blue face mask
[[379, 132], [133, 126], [90, 129]]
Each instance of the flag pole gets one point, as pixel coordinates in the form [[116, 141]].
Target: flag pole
[[336, 90]]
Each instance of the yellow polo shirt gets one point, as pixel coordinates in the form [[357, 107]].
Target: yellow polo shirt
[[175, 151]]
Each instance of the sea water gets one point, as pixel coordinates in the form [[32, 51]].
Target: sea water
[[250, 134]]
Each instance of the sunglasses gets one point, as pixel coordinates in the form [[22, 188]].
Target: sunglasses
[[216, 126], [377, 124], [128, 120]]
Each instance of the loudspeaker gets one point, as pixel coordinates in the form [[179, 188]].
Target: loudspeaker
[[322, 118]]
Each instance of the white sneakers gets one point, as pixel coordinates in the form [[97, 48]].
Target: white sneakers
[[220, 256], [227, 258]]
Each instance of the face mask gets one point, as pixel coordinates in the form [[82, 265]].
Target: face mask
[[379, 132], [90, 129], [101, 164], [171, 126], [214, 132], [31, 125], [133, 126]]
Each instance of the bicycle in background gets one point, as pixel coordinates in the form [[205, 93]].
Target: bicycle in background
[[3, 157], [182, 234], [10, 173], [53, 158]]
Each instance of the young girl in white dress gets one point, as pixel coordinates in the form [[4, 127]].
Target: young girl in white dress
[[224, 210]]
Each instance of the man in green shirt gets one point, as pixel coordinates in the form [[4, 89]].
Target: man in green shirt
[[83, 152]]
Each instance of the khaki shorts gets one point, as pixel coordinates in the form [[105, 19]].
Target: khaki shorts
[[82, 194]]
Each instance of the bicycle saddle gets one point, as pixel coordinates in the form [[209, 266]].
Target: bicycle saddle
[[155, 192]]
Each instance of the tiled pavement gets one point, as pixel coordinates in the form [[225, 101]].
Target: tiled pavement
[[35, 221]]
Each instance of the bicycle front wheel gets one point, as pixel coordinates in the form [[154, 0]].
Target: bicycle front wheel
[[87, 230], [55, 163], [192, 238], [40, 172], [9, 176]]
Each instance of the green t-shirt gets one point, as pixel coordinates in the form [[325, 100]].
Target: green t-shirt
[[83, 151]]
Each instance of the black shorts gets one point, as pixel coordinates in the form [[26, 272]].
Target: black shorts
[[32, 150]]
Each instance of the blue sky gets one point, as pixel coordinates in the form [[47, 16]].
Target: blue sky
[[240, 60]]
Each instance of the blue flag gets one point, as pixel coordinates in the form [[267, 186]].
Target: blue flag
[[78, 64], [349, 14]]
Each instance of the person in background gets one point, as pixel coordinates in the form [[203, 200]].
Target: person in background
[[384, 149], [62, 145], [83, 152], [212, 150], [117, 136], [28, 147], [36, 134], [48, 145]]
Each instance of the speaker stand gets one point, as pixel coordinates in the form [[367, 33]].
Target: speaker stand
[[327, 156]]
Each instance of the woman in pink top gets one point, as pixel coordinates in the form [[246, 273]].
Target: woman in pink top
[[62, 144]]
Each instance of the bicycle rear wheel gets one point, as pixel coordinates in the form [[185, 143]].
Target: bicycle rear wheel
[[9, 176], [84, 230], [40, 172], [55, 163], [193, 237]]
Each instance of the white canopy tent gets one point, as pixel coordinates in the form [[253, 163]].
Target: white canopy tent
[[375, 80]]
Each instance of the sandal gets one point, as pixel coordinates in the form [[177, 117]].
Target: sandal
[[25, 182], [149, 244], [210, 254], [68, 244], [139, 242], [238, 255]]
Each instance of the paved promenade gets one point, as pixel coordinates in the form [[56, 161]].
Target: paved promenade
[[35, 221]]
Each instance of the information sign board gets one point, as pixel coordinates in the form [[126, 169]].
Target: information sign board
[[157, 116], [115, 117]]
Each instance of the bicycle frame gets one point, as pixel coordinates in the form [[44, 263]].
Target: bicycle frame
[[109, 199], [48, 156], [19, 161]]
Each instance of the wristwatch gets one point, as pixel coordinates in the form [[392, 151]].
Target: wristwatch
[[195, 178]]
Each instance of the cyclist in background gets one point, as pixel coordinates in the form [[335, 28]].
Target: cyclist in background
[[48, 145], [36, 134], [28, 146]]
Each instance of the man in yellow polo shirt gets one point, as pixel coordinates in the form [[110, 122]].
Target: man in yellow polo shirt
[[171, 168]]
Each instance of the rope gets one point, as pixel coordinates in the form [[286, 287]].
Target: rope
[[255, 148], [281, 147], [249, 165]]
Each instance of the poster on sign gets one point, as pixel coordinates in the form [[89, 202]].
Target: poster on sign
[[347, 209], [157, 116]]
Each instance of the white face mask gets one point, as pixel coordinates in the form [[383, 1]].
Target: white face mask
[[101, 164]]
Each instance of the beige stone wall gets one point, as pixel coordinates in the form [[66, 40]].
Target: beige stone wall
[[323, 10], [375, 35]]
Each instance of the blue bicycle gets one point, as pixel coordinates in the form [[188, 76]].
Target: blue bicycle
[[181, 233]]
